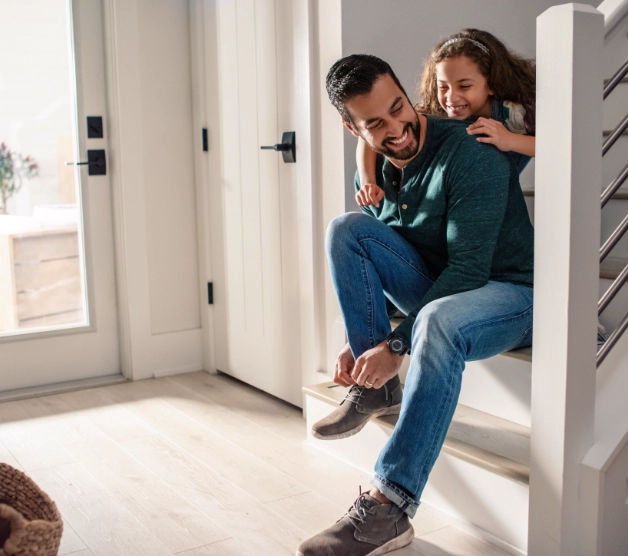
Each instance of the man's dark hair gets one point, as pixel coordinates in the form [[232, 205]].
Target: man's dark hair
[[355, 75]]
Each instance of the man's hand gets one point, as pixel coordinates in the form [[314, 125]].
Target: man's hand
[[496, 133], [376, 366], [344, 366], [369, 194]]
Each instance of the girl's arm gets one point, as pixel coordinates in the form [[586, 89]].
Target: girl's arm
[[523, 144], [366, 159], [497, 134], [370, 193]]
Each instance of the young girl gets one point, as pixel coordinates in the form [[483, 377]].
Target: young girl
[[471, 76]]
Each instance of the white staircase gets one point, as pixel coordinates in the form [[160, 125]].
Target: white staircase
[[481, 479]]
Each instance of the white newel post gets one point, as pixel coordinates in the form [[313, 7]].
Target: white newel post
[[567, 230]]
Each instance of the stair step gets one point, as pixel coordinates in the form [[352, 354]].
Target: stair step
[[494, 444], [621, 194]]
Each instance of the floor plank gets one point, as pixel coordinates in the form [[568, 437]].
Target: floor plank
[[450, 541], [230, 547], [101, 521], [71, 543]]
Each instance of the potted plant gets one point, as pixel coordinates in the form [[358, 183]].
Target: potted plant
[[14, 169]]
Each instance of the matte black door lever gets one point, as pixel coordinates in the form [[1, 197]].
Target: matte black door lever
[[287, 146]]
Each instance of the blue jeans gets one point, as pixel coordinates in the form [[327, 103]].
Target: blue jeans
[[370, 261]]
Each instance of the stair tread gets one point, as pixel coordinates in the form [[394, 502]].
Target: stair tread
[[495, 444]]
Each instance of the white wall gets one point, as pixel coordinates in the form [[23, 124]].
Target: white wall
[[150, 98], [402, 32]]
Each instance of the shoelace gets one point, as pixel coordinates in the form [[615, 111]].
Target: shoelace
[[358, 512], [357, 392]]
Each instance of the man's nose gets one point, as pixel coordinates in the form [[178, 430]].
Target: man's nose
[[396, 128]]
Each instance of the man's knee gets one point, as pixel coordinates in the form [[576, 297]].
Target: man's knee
[[341, 229], [436, 323]]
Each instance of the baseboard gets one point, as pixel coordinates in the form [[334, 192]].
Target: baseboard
[[178, 371], [62, 387]]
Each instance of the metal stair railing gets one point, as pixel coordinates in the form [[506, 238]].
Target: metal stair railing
[[619, 232]]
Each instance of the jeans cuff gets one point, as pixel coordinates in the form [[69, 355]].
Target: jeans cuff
[[396, 495]]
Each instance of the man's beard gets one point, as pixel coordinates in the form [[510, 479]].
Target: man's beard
[[408, 152]]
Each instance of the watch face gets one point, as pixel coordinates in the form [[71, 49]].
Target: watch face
[[397, 345]]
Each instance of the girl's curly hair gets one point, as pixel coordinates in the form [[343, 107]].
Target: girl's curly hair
[[509, 76]]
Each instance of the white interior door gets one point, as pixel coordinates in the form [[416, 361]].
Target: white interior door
[[58, 318], [260, 340]]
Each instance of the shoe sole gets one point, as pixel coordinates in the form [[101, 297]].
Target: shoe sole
[[393, 410], [395, 544]]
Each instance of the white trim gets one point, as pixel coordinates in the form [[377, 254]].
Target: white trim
[[566, 270], [615, 12], [143, 353], [113, 131], [179, 371], [61, 387], [201, 33]]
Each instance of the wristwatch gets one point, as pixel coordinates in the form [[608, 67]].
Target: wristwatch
[[396, 344]]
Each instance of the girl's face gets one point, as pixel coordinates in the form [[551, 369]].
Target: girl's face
[[462, 90]]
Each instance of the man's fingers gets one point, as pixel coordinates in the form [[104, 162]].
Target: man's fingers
[[490, 140]]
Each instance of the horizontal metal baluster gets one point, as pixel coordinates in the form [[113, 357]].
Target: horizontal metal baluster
[[614, 239], [619, 75], [616, 134], [612, 291], [614, 186], [612, 340]]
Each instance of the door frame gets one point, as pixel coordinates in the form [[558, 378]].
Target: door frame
[[204, 29]]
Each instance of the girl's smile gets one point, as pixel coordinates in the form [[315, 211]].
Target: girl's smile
[[463, 91]]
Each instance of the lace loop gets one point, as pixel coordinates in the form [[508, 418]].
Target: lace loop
[[358, 512]]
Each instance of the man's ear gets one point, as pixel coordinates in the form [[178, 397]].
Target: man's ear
[[350, 127]]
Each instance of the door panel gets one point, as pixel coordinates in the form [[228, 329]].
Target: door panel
[[259, 203], [58, 260]]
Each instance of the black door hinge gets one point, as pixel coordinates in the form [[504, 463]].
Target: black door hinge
[[210, 293], [205, 140]]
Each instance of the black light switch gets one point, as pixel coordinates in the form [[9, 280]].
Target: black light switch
[[94, 127]]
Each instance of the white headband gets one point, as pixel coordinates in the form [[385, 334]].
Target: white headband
[[458, 39]]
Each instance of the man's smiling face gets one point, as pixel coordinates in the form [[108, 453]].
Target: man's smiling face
[[386, 120]]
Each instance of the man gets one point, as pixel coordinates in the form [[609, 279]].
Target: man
[[451, 246]]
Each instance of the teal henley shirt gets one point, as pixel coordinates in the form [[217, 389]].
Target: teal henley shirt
[[459, 203]]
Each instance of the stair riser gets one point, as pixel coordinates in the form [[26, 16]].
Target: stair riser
[[494, 507], [499, 386]]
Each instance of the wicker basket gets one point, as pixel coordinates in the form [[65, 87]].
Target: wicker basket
[[30, 524]]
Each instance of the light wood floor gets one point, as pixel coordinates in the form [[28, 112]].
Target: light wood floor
[[195, 465]]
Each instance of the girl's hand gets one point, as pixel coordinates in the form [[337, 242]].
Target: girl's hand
[[496, 133], [369, 194]]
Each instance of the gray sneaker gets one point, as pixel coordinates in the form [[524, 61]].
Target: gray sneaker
[[367, 529], [360, 405]]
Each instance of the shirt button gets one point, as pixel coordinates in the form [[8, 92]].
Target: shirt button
[[394, 183], [404, 206]]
